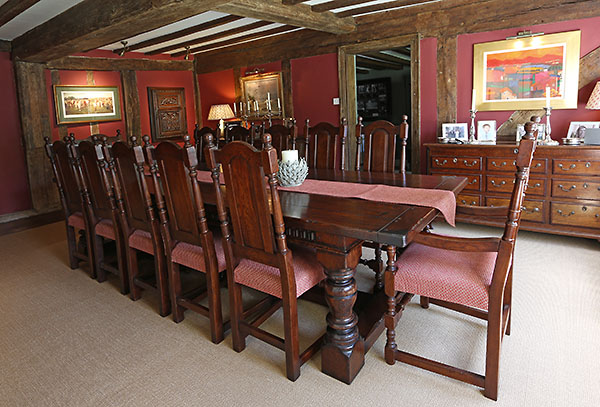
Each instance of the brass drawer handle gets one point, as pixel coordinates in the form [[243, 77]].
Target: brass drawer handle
[[567, 190], [538, 165], [562, 214], [498, 185], [473, 182], [588, 164], [499, 166], [536, 185], [572, 166], [469, 165], [464, 202], [534, 210], [442, 163]]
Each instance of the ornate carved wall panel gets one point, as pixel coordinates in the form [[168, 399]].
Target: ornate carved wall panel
[[167, 113]]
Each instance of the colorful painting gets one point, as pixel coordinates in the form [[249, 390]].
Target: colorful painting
[[515, 74], [83, 104]]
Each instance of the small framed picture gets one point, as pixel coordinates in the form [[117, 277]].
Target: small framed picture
[[486, 131], [455, 131], [541, 130], [577, 129]]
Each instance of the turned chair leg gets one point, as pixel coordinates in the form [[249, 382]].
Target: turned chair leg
[[236, 316], [380, 269], [424, 301], [390, 345], [162, 284], [175, 291]]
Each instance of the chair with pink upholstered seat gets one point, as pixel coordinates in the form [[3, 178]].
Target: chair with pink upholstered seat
[[469, 275], [124, 165], [101, 209], [70, 197], [187, 239], [256, 251]]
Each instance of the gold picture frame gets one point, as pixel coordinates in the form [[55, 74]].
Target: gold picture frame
[[86, 104], [513, 74], [257, 88]]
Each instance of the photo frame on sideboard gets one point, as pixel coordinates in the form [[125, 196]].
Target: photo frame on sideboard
[[456, 131]]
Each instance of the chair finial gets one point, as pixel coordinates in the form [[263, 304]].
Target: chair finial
[[186, 141], [133, 141], [146, 140], [529, 129], [267, 141]]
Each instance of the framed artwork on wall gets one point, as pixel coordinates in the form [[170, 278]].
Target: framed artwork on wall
[[86, 104], [262, 94], [374, 99], [515, 74], [168, 120]]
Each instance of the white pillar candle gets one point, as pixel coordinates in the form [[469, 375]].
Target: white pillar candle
[[268, 96], [241, 108], [547, 96], [248, 103], [256, 105], [473, 99], [289, 155], [278, 104], [234, 109]]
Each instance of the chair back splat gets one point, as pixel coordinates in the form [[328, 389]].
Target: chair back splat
[[377, 145], [468, 275], [256, 252], [324, 145], [185, 233]]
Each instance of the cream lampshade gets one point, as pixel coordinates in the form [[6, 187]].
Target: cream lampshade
[[594, 101], [220, 113]]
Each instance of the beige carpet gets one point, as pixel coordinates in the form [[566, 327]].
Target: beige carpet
[[66, 340]]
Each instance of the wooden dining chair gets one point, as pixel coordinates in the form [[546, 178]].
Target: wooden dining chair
[[199, 134], [256, 250], [76, 220], [468, 275], [376, 146], [101, 209], [282, 136], [187, 239], [238, 133], [125, 167], [323, 145]]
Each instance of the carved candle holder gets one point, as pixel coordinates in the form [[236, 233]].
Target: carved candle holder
[[548, 130], [472, 127], [292, 173]]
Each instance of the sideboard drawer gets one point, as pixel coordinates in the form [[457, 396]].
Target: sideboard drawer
[[532, 210], [508, 164], [576, 167], [500, 183], [575, 189], [575, 215], [473, 183], [456, 163], [468, 200]]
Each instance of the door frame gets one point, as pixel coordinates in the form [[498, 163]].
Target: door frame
[[347, 84]]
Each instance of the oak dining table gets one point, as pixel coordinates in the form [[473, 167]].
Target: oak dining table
[[336, 227]]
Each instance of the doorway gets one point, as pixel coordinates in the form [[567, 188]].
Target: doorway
[[379, 80]]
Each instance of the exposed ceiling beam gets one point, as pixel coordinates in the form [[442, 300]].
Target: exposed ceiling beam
[[292, 2], [380, 7], [375, 64], [119, 64], [362, 71], [212, 37], [181, 33], [236, 40], [389, 58], [330, 5], [299, 15], [95, 23], [13, 8]]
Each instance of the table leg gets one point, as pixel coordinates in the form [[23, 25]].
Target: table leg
[[343, 352]]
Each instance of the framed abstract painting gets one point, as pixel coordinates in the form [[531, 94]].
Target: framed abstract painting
[[516, 74]]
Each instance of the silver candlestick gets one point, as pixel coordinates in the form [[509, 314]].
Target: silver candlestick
[[548, 130], [472, 127]]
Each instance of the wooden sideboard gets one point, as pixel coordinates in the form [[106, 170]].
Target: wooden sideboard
[[563, 196]]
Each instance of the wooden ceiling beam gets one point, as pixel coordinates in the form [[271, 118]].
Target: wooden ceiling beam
[[13, 8], [330, 5], [299, 15], [181, 33], [376, 64], [236, 40], [388, 58], [95, 23], [119, 64], [379, 7], [292, 2], [212, 37]]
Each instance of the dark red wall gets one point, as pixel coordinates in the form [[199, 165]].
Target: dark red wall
[[13, 172], [428, 93], [215, 88], [166, 79], [314, 85]]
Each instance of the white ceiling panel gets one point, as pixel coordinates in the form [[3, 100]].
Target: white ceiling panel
[[37, 14]]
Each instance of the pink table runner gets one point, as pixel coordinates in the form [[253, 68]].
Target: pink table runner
[[444, 201]]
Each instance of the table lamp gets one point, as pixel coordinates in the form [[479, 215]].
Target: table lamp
[[594, 100], [220, 113]]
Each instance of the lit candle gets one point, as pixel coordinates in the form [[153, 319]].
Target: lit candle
[[256, 105], [289, 156], [241, 108], [268, 103], [268, 96], [278, 104], [473, 99], [547, 96], [248, 103], [234, 109]]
